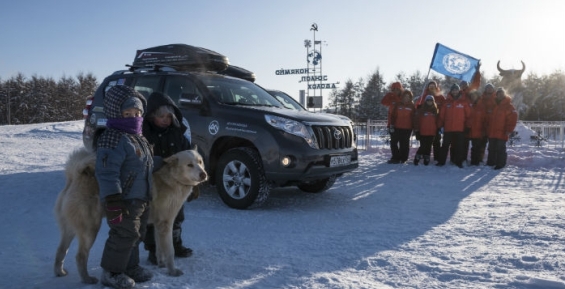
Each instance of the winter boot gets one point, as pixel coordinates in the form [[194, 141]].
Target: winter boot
[[417, 159], [426, 160], [139, 274], [116, 280], [180, 250]]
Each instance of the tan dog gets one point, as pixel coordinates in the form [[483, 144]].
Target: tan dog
[[78, 210]]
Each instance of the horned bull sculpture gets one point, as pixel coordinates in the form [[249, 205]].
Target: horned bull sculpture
[[512, 82], [511, 78]]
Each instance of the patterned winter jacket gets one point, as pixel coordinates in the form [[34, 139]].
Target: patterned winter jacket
[[454, 114], [502, 121], [425, 120], [123, 161]]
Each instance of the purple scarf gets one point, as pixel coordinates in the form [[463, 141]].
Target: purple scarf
[[131, 125]]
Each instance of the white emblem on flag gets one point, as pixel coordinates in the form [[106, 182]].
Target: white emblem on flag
[[456, 63]]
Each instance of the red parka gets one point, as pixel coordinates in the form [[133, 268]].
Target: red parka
[[403, 115], [391, 99], [488, 101], [454, 114], [478, 120], [502, 121], [425, 120], [438, 97]]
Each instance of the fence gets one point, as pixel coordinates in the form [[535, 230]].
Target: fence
[[549, 134]]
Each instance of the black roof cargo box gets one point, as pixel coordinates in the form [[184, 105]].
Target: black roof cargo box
[[238, 72], [181, 57]]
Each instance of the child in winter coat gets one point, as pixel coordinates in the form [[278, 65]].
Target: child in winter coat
[[502, 122], [165, 132], [123, 170], [425, 128], [401, 124]]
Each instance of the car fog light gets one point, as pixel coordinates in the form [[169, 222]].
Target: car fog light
[[285, 161]]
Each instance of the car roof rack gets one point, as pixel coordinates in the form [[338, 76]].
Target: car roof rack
[[152, 67]]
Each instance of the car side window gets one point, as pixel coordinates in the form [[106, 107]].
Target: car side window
[[147, 84], [182, 90]]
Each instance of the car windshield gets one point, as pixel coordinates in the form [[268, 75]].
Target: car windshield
[[235, 91], [286, 100]]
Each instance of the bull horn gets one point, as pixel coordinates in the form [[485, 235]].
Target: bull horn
[[498, 67], [523, 66]]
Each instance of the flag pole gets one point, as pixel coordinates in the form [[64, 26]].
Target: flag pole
[[419, 102]]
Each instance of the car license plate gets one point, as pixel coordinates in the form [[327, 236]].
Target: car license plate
[[337, 161]]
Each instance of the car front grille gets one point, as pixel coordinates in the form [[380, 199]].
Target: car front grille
[[333, 137]]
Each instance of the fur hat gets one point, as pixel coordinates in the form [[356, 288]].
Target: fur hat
[[132, 102], [396, 85]]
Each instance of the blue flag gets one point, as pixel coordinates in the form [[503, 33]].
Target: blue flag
[[453, 63]]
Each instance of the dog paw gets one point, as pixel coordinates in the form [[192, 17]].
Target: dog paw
[[61, 273], [175, 272]]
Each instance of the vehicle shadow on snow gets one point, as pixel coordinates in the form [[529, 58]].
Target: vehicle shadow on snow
[[378, 207]]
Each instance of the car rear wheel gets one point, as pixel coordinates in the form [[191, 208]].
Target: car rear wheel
[[240, 179]]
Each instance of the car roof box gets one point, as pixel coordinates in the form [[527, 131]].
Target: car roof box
[[181, 57], [238, 72]]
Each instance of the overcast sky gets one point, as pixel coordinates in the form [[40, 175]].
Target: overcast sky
[[56, 38]]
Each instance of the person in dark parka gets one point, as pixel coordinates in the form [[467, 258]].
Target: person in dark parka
[[163, 128]]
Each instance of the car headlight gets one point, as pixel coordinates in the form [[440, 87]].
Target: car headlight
[[293, 127]]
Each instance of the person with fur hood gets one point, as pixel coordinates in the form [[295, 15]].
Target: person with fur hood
[[124, 165], [477, 132], [501, 123], [401, 124], [433, 89], [164, 129], [454, 118], [425, 129], [390, 100]]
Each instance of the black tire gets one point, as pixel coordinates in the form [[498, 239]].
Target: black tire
[[318, 186], [240, 179]]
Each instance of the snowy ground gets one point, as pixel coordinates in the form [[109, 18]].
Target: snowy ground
[[383, 226]]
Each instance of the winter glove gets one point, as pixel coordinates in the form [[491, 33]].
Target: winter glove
[[115, 208], [391, 129], [194, 195], [417, 135]]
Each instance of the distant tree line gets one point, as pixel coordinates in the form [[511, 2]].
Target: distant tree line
[[542, 99], [38, 99]]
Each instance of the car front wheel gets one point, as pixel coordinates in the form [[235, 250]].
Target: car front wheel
[[241, 180]]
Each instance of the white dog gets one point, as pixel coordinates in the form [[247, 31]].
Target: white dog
[[78, 210]]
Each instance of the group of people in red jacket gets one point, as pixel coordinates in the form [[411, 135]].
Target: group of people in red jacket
[[450, 125]]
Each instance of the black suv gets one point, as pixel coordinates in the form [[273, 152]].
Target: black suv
[[250, 143]]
